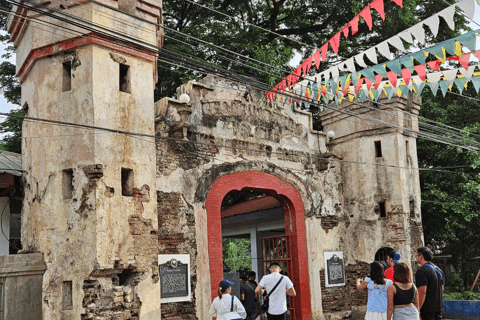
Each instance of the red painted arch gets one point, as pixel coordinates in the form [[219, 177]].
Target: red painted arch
[[294, 212]]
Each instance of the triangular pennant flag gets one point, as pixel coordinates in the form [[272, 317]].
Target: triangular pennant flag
[[434, 88], [359, 60], [460, 83], [376, 94], [433, 79], [396, 42], [450, 75], [369, 83], [326, 75], [436, 50], [345, 31], [443, 57], [395, 66], [378, 79], [399, 3], [476, 83], [354, 24], [419, 88], [333, 84], [444, 86], [324, 50], [433, 22], [384, 50], [335, 73], [421, 71], [378, 5], [355, 78], [316, 58], [359, 85], [418, 32], [448, 14], [342, 80], [450, 46], [390, 91], [371, 55], [392, 77], [419, 56], [362, 95], [335, 42], [368, 73], [458, 49], [406, 75], [434, 65], [468, 40], [367, 15], [468, 72], [405, 90], [379, 69], [468, 7], [407, 61], [350, 64], [406, 35], [381, 86], [417, 80]]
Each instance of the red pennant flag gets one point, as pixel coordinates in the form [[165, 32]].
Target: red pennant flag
[[316, 58], [308, 64], [324, 49], [477, 54], [399, 2], [369, 83], [347, 86], [421, 71], [392, 76], [434, 65], [406, 75], [378, 5], [367, 15], [335, 42], [359, 84], [465, 60], [345, 31], [354, 25], [378, 79], [324, 92]]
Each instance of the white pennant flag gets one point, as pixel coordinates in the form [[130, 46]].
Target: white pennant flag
[[372, 55], [448, 14], [326, 75], [350, 64], [384, 50], [433, 78], [407, 36], [335, 73], [396, 42], [467, 73], [468, 6], [359, 60], [381, 85], [418, 32], [417, 80], [433, 23], [450, 75]]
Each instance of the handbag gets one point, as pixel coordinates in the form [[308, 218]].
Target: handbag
[[264, 307], [231, 310]]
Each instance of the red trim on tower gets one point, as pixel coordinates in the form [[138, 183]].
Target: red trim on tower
[[294, 213], [83, 40]]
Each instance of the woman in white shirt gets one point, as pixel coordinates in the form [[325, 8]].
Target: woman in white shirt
[[226, 306]]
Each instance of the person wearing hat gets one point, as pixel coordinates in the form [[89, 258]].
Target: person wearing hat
[[277, 308], [226, 306], [393, 258], [248, 297]]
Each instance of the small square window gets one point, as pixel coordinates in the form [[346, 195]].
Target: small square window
[[67, 183], [124, 78], [383, 211], [67, 76], [127, 182], [378, 149]]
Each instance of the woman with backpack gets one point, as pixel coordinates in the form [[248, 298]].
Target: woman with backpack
[[226, 306]]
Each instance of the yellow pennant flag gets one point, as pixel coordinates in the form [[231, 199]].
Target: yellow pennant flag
[[458, 49]]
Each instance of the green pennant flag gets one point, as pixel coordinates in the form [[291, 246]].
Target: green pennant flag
[[376, 93], [405, 90], [460, 83], [337, 100], [355, 78], [342, 80], [419, 88], [444, 86], [333, 84], [379, 69], [407, 62], [449, 46], [368, 73], [434, 89], [362, 95], [476, 82], [436, 50], [390, 92], [395, 66], [326, 100], [468, 40], [419, 56]]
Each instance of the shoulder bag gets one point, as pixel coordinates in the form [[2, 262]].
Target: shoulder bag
[[231, 309], [264, 306]]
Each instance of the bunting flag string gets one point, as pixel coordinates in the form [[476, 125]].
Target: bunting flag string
[[416, 31]]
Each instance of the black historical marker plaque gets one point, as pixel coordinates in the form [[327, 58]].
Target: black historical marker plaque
[[335, 270], [173, 279]]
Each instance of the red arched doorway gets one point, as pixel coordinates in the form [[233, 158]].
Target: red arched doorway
[[294, 213]]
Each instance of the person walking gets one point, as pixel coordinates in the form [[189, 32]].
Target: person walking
[[277, 308], [377, 286], [393, 257], [403, 295], [226, 306], [430, 281], [248, 297]]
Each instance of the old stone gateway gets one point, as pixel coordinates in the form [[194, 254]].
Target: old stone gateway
[[115, 212]]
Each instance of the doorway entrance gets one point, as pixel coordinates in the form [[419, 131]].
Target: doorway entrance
[[293, 221]]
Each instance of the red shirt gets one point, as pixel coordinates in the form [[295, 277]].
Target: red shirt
[[389, 274]]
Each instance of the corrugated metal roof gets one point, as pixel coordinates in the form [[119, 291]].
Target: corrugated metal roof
[[10, 163]]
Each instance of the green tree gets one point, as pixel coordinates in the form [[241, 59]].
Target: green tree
[[237, 254]]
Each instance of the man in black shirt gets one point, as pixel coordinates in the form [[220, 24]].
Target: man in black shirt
[[248, 297], [251, 278], [429, 280]]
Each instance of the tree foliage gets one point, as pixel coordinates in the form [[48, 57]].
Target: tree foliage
[[237, 254]]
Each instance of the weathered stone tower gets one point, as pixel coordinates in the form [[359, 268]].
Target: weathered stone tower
[[90, 195]]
